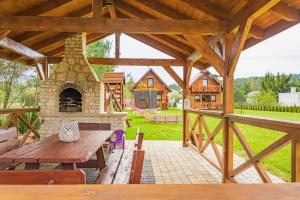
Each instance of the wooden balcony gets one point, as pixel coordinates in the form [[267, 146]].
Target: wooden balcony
[[209, 89]]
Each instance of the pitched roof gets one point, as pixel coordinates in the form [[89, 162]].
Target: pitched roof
[[202, 73], [114, 77], [153, 72]]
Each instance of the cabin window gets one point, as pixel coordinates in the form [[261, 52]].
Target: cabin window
[[204, 98], [213, 98], [150, 82], [197, 98], [204, 82], [159, 97]]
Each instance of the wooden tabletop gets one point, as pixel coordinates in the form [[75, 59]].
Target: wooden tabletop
[[286, 191], [51, 150]]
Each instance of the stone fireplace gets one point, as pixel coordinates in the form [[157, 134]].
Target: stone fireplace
[[73, 92]]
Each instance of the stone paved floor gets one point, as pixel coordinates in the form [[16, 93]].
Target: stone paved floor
[[173, 164]]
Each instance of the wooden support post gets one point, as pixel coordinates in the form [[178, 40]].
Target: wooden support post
[[227, 109], [117, 45], [185, 116], [97, 8], [295, 141]]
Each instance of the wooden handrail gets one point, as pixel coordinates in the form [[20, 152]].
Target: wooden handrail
[[214, 114], [18, 110], [268, 123]]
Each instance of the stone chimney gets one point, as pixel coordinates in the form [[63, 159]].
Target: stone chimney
[[74, 65]]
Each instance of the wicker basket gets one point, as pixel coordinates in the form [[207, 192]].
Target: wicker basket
[[69, 131]]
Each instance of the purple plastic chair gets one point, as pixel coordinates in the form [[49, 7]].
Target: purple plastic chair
[[120, 139]]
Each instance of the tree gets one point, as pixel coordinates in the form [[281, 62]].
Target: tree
[[11, 74], [100, 49], [267, 98], [129, 85], [175, 86], [239, 93]]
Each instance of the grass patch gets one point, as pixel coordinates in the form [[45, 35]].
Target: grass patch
[[258, 138]]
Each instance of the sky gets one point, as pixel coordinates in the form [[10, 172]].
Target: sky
[[280, 53]]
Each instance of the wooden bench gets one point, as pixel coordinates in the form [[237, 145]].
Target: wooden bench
[[8, 141], [42, 177], [94, 126], [124, 167]]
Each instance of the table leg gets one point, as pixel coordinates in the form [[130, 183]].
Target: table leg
[[69, 166], [100, 158], [32, 166]]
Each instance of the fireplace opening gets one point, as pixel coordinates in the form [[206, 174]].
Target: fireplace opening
[[70, 100]]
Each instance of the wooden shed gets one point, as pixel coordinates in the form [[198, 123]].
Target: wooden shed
[[151, 92], [206, 91], [114, 84]]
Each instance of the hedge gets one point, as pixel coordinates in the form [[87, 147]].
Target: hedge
[[275, 108]]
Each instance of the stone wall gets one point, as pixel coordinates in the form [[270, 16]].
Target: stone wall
[[74, 71]]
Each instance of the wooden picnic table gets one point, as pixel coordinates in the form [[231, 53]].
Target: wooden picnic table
[[70, 155]]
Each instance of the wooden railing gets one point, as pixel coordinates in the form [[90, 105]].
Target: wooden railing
[[14, 117], [291, 131], [196, 88]]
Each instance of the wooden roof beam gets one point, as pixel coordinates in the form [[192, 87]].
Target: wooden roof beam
[[111, 9], [21, 49], [144, 26], [285, 12], [251, 11], [4, 33], [174, 75]]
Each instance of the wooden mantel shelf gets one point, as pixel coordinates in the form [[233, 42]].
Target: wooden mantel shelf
[[134, 192]]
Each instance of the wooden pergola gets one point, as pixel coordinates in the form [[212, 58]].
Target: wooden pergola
[[199, 34]]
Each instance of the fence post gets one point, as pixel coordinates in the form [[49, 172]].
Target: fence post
[[295, 152]]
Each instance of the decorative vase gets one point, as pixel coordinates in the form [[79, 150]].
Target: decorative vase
[[69, 131]]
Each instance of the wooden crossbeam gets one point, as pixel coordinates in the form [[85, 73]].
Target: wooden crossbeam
[[40, 69], [280, 143], [258, 166], [285, 12], [213, 135], [76, 24], [203, 47], [21, 49], [136, 61], [4, 33], [213, 143], [174, 75]]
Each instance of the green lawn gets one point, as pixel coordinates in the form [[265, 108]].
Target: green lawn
[[258, 138]]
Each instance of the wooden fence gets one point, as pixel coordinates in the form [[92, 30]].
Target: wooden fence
[[195, 130], [15, 116]]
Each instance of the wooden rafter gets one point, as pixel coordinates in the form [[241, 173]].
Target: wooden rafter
[[203, 47], [40, 69], [76, 24], [174, 75], [111, 9], [4, 33]]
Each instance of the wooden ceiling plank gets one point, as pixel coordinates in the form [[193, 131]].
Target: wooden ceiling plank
[[43, 7], [256, 32], [144, 26], [252, 10], [27, 35], [21, 49], [174, 75], [203, 47], [285, 12], [209, 9]]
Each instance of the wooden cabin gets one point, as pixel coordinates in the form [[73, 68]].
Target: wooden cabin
[[114, 84], [206, 91], [151, 92]]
